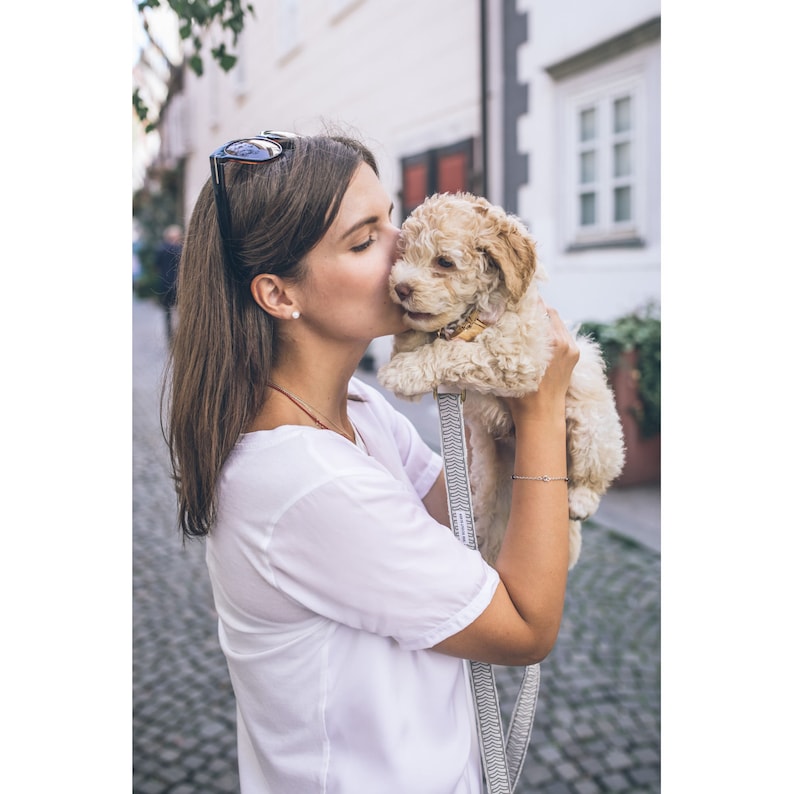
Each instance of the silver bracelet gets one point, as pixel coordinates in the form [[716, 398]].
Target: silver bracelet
[[542, 478]]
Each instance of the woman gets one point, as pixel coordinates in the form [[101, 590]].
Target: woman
[[345, 603]]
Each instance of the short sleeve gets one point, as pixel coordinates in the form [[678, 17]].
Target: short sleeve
[[414, 457], [361, 550]]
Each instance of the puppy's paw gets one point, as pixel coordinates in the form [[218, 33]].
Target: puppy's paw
[[582, 502], [411, 398], [403, 381], [390, 375]]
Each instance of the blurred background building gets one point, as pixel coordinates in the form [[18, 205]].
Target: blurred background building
[[550, 108]]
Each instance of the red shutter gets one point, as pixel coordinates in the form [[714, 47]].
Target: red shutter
[[415, 186], [452, 173]]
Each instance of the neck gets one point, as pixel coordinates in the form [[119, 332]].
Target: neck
[[318, 371], [321, 383], [313, 413], [470, 327], [473, 322], [312, 363]]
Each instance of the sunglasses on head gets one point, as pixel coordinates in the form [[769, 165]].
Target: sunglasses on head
[[260, 148]]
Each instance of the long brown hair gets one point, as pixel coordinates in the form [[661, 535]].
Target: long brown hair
[[225, 344]]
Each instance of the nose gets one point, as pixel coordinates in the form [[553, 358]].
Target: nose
[[403, 290]]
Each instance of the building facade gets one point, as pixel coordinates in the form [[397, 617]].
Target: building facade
[[550, 108]]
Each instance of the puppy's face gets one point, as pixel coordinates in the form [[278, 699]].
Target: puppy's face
[[458, 252]]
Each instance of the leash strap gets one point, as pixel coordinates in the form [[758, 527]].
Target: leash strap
[[502, 761]]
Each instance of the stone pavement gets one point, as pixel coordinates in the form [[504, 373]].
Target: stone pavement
[[597, 725]]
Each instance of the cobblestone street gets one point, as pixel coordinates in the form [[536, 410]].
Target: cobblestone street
[[597, 725]]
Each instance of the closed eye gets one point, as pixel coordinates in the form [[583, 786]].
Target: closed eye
[[363, 247]]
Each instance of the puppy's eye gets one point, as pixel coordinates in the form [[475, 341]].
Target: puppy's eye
[[445, 263]]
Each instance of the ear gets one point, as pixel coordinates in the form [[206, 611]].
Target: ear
[[507, 244], [270, 294]]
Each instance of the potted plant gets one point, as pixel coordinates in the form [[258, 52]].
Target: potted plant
[[631, 346]]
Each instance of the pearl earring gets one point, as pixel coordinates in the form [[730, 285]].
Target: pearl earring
[[295, 315]]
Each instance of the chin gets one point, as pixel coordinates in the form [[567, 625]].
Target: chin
[[388, 329]]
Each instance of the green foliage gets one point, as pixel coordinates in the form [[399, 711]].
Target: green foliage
[[141, 110], [195, 18], [225, 60], [639, 331], [154, 210], [196, 64]]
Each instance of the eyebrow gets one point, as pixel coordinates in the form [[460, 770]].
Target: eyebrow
[[365, 222]]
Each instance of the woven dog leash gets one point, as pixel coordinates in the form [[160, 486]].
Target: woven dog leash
[[502, 761]]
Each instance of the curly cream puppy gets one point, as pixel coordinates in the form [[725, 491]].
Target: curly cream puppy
[[467, 278]]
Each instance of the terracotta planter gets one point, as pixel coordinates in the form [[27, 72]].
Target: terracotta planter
[[643, 455]]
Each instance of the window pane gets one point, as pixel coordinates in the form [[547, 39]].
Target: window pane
[[622, 159], [587, 209], [587, 167], [415, 185], [622, 111], [452, 171], [622, 204], [587, 124]]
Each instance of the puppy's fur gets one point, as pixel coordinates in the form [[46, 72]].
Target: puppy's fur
[[460, 254]]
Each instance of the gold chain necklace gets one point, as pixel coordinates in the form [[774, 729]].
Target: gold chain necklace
[[307, 409]]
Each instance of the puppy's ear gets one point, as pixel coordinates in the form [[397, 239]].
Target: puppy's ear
[[507, 244]]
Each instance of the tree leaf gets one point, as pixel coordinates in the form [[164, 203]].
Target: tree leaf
[[196, 64]]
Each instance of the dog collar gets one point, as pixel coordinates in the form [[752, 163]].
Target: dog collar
[[469, 329]]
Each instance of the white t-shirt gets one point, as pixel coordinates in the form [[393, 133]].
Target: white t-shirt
[[331, 581]]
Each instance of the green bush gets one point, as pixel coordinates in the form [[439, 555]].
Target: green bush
[[640, 331], [148, 283], [154, 207]]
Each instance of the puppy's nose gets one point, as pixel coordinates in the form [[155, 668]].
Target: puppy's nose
[[404, 291]]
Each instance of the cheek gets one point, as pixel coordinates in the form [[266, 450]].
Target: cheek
[[381, 293]]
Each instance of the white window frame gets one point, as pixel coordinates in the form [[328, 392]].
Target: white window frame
[[601, 96]]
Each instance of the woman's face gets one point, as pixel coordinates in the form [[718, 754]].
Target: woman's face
[[345, 294]]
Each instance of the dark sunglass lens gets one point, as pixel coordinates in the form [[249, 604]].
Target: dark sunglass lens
[[253, 149]]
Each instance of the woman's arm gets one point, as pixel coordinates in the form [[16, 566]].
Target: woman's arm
[[521, 623], [436, 500]]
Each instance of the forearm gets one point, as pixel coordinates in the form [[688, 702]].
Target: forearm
[[533, 561], [521, 623]]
